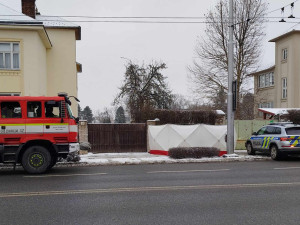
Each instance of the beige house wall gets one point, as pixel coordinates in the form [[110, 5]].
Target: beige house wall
[[61, 64], [34, 69], [289, 68], [263, 95], [44, 70], [32, 64], [282, 70], [296, 70]]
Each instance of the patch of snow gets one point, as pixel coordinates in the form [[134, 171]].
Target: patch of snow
[[231, 155], [50, 21], [220, 112], [146, 158]]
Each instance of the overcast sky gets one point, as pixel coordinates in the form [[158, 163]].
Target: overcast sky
[[105, 45]]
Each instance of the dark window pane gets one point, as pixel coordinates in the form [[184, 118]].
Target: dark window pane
[[270, 130], [1, 61], [292, 131], [52, 109], [16, 63], [278, 130], [11, 110], [7, 61], [261, 131], [34, 109]]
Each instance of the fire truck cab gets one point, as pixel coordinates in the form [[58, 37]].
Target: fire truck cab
[[36, 131]]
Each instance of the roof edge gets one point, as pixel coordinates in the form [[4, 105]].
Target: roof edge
[[262, 71], [39, 28], [284, 35], [77, 30]]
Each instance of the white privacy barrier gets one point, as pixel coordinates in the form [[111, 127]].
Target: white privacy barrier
[[164, 137]]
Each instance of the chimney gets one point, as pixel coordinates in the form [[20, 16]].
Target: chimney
[[28, 8]]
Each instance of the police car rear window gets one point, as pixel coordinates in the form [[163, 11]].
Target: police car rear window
[[292, 131]]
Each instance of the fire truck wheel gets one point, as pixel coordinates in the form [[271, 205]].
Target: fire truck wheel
[[36, 159], [53, 162]]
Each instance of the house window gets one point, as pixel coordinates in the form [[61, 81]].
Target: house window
[[9, 56], [284, 54], [271, 78], [284, 88], [262, 81], [9, 94], [264, 105], [266, 80]]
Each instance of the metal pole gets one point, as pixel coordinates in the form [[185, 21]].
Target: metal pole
[[230, 112]]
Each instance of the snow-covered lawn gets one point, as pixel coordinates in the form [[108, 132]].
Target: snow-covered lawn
[[146, 158]]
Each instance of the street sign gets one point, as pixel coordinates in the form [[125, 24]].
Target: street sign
[[234, 91]]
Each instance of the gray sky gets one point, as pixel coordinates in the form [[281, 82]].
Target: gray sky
[[104, 44]]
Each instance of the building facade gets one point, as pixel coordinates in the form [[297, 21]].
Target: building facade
[[278, 86], [37, 54]]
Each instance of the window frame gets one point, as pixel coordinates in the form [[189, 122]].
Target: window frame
[[10, 94], [272, 82], [266, 80], [284, 88], [11, 52], [264, 105], [284, 54], [260, 79]]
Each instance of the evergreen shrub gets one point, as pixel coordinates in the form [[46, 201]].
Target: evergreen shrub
[[193, 152]]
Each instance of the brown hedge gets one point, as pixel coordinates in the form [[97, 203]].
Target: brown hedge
[[193, 152], [294, 116], [181, 116]]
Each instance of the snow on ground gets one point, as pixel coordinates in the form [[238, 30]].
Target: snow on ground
[[100, 159], [146, 158]]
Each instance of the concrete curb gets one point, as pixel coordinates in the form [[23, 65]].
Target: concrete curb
[[113, 161]]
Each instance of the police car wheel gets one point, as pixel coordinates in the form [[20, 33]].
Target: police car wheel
[[36, 160], [250, 150], [275, 154]]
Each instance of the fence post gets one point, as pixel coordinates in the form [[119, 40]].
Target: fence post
[[151, 122], [83, 131]]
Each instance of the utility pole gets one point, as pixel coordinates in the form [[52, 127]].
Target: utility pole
[[230, 112]]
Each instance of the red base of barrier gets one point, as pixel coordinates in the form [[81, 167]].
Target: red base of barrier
[[161, 152], [158, 152], [222, 153]]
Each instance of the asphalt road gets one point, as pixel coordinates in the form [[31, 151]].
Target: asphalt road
[[262, 192]]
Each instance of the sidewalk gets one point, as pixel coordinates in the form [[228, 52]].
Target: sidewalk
[[146, 158], [103, 159]]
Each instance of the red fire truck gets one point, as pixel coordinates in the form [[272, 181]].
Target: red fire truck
[[36, 131]]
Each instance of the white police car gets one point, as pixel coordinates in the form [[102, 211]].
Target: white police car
[[278, 139]]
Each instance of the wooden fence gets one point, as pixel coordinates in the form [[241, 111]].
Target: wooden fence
[[118, 137]]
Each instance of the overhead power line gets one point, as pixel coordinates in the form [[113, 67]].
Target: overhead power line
[[116, 17], [134, 17], [282, 7], [133, 21]]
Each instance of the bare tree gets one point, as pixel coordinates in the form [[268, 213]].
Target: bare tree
[[247, 106], [103, 117], [209, 72], [144, 88], [180, 102]]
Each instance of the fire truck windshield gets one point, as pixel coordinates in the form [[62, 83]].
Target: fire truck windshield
[[70, 111]]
